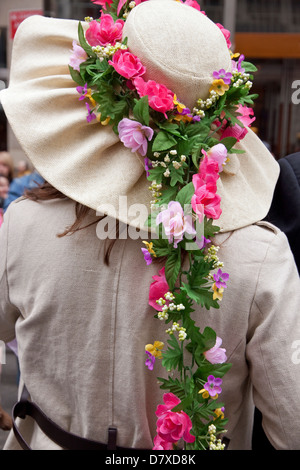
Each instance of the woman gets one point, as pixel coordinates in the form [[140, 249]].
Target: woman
[[75, 286]]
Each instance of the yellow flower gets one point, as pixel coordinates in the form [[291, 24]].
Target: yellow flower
[[89, 96], [234, 55], [180, 106], [219, 86], [204, 392], [155, 349], [149, 247], [218, 293], [105, 122], [219, 413]]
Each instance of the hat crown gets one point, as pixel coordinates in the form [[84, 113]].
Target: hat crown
[[179, 46]]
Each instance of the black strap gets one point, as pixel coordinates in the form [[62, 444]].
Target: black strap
[[64, 439]]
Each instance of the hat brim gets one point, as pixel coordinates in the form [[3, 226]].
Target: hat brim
[[86, 161]]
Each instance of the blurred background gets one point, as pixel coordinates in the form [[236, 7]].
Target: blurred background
[[267, 32]]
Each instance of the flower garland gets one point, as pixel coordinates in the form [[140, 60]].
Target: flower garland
[[185, 151]]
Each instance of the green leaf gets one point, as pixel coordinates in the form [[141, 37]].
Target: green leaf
[[248, 66], [163, 141], [141, 111], [172, 358], [76, 76], [84, 43], [218, 370], [168, 194], [229, 142], [161, 247], [156, 174], [172, 268], [171, 128], [185, 194], [109, 104], [176, 175], [173, 385], [206, 342], [201, 295]]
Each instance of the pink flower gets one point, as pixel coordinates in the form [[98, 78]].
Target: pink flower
[[103, 3], [127, 64], [216, 355], [192, 3], [205, 201], [175, 222], [160, 444], [172, 426], [77, 57], [226, 34], [218, 154], [160, 97], [158, 289], [237, 131], [104, 32], [134, 135]]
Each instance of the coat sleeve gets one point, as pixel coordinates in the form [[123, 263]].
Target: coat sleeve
[[273, 349], [8, 312]]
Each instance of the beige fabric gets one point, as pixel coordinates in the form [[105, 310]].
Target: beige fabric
[[82, 326], [175, 56], [87, 162]]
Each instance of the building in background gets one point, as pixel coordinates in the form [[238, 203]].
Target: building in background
[[266, 32]]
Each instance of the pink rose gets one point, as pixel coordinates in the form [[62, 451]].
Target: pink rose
[[127, 64], [172, 426], [226, 34], [160, 97], [160, 444], [205, 201], [77, 57], [216, 355], [104, 32], [175, 222], [158, 289], [134, 135]]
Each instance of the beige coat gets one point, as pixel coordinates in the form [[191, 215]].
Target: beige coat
[[82, 326]]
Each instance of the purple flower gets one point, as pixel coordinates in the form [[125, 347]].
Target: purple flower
[[134, 135], [222, 74], [150, 360], [213, 385], [82, 90], [90, 115], [148, 165], [187, 112], [147, 256], [203, 242], [237, 66], [77, 57], [220, 279]]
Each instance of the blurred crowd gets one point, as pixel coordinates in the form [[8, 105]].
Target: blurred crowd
[[14, 180]]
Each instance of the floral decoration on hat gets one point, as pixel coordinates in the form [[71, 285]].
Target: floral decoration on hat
[[185, 150]]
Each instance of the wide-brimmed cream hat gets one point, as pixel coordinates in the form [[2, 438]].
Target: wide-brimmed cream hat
[[180, 48]]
